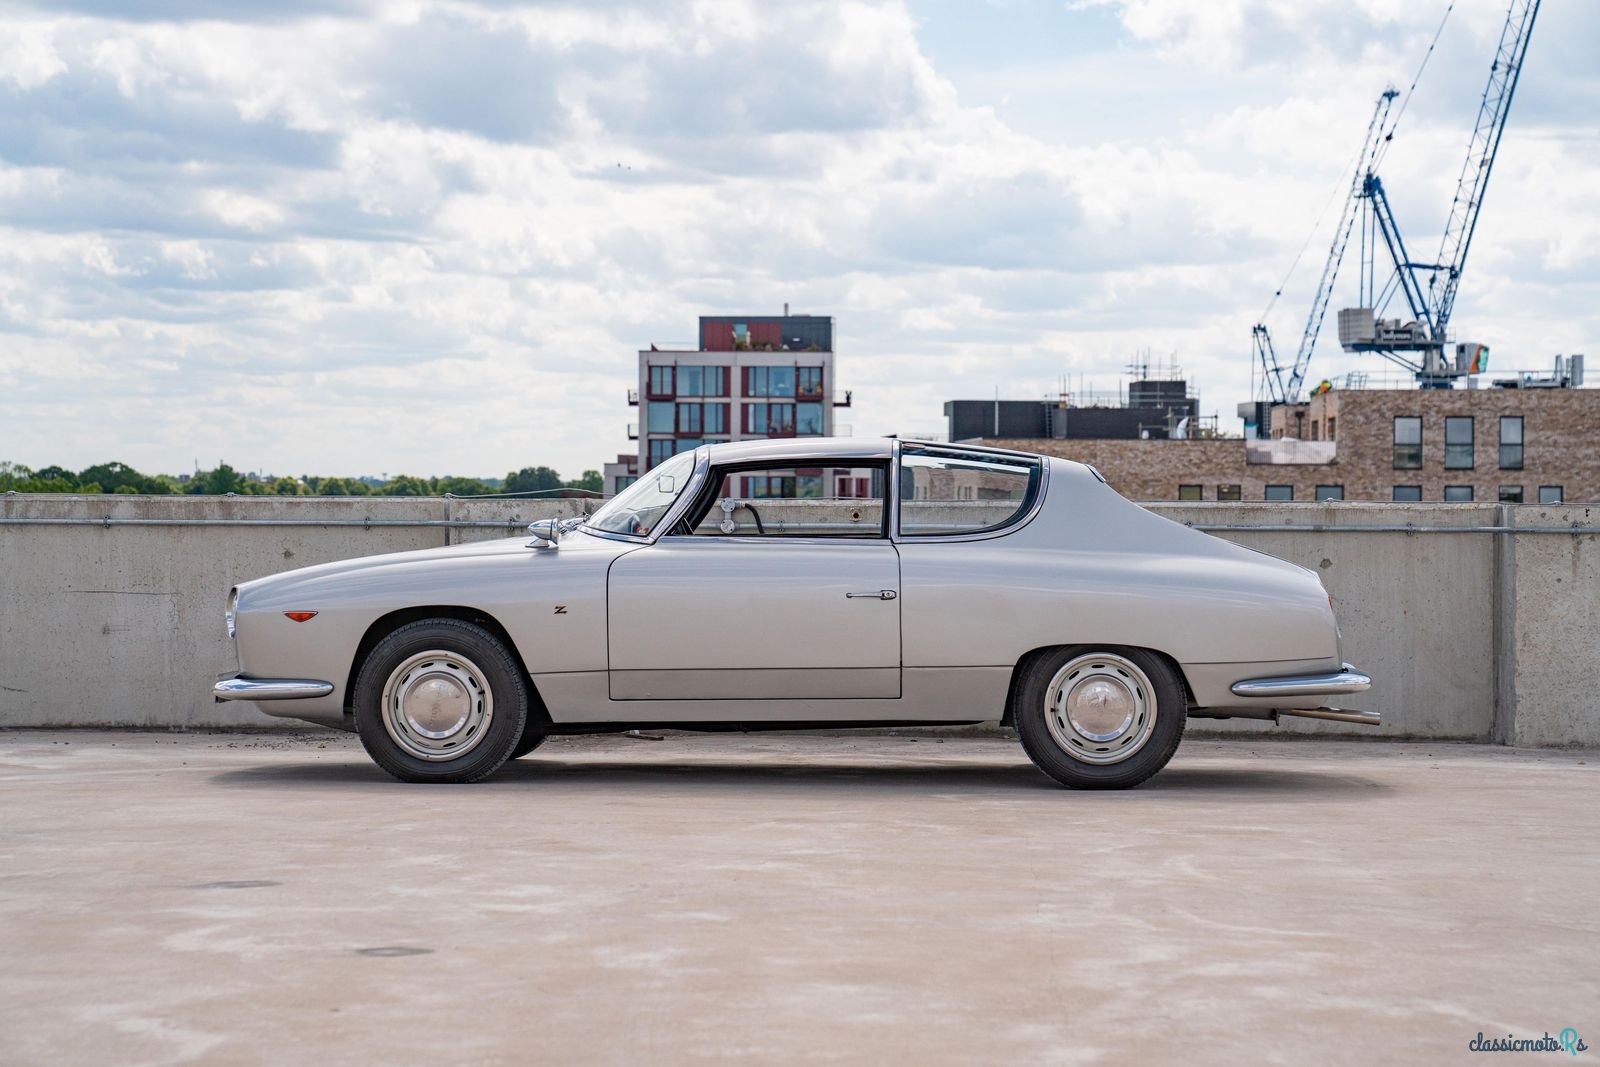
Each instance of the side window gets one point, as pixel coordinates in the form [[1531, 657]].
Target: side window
[[768, 501], [948, 491]]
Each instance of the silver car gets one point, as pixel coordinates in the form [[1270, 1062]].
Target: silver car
[[814, 583]]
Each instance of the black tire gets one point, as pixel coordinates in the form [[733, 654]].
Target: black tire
[[462, 642], [1049, 750], [532, 738]]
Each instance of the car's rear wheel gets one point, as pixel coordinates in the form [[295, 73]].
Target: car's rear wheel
[[1095, 718], [440, 700]]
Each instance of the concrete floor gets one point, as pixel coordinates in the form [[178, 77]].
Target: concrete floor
[[272, 898]]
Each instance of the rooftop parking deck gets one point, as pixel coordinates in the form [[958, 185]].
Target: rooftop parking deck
[[232, 898]]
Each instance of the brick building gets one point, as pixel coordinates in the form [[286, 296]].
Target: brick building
[[1510, 445], [748, 376]]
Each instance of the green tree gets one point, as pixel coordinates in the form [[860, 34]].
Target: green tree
[[357, 487], [224, 480], [12, 474], [53, 473], [405, 485], [37, 484], [460, 486], [332, 487], [286, 486], [125, 490], [532, 480], [591, 481], [113, 477]]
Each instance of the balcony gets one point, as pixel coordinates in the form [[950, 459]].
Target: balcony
[[843, 403], [633, 431], [633, 398]]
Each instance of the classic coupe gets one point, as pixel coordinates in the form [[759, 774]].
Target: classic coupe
[[812, 583]]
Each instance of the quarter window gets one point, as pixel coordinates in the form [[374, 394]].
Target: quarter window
[[1458, 442], [1408, 442], [1511, 444], [949, 491]]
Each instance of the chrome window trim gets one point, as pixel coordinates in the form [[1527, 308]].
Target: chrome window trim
[[1041, 462], [702, 464]]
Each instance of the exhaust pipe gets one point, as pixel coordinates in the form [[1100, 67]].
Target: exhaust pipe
[[1364, 718]]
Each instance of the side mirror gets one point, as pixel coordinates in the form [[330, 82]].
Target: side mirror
[[546, 533]]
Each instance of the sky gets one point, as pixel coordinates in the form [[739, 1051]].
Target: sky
[[347, 237]]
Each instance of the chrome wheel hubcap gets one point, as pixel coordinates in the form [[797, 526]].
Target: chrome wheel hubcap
[[437, 706], [1100, 708]]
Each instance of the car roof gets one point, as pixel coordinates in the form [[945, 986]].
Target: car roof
[[825, 448]]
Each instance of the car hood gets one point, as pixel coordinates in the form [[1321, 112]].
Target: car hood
[[511, 553]]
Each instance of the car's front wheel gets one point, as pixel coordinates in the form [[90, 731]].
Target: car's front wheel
[[440, 700], [1098, 718]]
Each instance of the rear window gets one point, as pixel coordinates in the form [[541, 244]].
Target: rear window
[[950, 491]]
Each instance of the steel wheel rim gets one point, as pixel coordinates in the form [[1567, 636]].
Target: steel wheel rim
[[437, 706], [1100, 708]]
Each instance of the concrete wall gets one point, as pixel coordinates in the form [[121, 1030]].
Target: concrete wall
[[1471, 635]]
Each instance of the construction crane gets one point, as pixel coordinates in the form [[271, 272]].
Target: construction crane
[[1277, 387], [1419, 344]]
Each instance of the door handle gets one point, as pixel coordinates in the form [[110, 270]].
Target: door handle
[[881, 594]]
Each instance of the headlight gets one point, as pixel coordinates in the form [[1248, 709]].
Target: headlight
[[233, 601]]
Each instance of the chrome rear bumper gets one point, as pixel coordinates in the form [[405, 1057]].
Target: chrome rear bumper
[[1346, 680], [243, 687]]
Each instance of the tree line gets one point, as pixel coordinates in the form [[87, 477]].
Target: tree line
[[123, 479]]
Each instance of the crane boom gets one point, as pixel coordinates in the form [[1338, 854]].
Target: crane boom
[[1481, 151]]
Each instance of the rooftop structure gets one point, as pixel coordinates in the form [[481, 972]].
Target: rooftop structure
[[1529, 441]]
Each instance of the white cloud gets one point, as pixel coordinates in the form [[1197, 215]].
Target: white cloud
[[316, 213]]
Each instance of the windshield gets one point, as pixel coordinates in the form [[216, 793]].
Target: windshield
[[638, 508]]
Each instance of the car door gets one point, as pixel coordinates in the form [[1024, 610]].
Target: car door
[[768, 594]]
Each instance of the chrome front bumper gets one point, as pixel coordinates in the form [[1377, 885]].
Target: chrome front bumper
[[243, 687], [1346, 680]]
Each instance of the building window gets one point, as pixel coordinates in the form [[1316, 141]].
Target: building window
[[1511, 444], [1190, 492], [1550, 494], [660, 381], [1316, 431], [769, 381], [1458, 442], [1333, 424], [661, 449], [1408, 493], [1458, 494], [1230, 492], [773, 419], [1407, 442], [702, 418], [808, 382], [625, 480], [808, 419], [1511, 494], [1330, 492], [658, 417], [1280, 492], [702, 381]]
